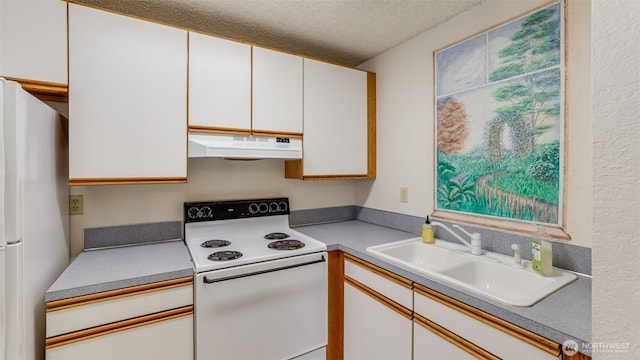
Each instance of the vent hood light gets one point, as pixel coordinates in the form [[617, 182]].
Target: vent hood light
[[244, 146]]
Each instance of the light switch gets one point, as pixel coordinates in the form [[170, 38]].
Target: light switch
[[404, 194]]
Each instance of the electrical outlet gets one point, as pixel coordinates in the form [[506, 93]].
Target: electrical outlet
[[404, 194], [76, 204]]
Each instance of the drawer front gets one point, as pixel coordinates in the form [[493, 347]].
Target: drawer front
[[385, 283], [75, 314], [506, 343], [164, 338], [429, 344]]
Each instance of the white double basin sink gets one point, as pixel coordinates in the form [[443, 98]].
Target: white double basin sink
[[492, 275]]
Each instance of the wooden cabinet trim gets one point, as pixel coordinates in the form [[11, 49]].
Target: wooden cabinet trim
[[407, 313], [45, 91], [500, 224], [218, 130], [117, 326], [335, 343], [246, 132], [330, 177], [116, 294], [382, 272], [453, 338], [371, 126], [527, 336], [577, 356], [296, 135], [126, 181]]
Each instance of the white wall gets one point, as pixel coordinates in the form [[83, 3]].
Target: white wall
[[209, 179], [406, 116], [616, 176]]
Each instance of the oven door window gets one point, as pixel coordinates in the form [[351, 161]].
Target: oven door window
[[269, 310]]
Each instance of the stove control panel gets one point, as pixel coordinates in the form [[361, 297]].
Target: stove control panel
[[236, 209]]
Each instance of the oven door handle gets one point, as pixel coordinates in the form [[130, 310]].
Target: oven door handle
[[212, 281]]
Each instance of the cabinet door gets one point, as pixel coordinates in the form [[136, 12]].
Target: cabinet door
[[277, 92], [339, 123], [170, 338], [219, 84], [491, 334], [127, 108], [33, 36], [373, 329], [433, 342]]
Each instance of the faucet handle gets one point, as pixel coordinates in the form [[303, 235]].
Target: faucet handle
[[517, 255], [463, 230]]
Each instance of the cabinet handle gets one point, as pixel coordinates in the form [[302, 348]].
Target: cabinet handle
[[380, 298], [212, 281], [107, 329], [453, 338]]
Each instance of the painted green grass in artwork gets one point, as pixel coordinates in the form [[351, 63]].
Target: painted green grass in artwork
[[468, 183]]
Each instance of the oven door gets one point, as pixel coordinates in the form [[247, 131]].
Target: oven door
[[269, 310]]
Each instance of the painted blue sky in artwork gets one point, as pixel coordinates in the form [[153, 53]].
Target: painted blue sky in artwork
[[498, 39], [462, 67]]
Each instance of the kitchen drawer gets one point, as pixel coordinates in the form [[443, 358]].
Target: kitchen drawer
[[68, 315], [382, 281], [497, 336], [167, 335]]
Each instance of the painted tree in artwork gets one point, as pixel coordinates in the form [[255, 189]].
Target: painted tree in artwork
[[453, 125], [535, 46]]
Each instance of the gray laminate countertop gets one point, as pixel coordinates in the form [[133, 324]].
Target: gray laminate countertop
[[108, 269], [563, 315]]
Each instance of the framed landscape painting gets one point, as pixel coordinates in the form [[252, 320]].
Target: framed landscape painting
[[499, 103]]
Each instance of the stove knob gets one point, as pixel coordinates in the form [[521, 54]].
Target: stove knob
[[263, 207], [193, 212], [273, 207], [282, 206], [253, 208], [206, 212]]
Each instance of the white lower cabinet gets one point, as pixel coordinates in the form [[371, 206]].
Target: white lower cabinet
[[165, 339], [153, 321], [429, 343], [390, 317], [376, 325], [372, 329], [477, 333]]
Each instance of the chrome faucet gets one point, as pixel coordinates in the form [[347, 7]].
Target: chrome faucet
[[476, 243]]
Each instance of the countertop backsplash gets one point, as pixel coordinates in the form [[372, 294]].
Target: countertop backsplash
[[565, 255]]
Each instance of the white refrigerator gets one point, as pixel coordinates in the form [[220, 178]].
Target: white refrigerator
[[34, 220]]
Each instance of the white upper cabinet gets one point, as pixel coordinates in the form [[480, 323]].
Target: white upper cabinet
[[33, 40], [219, 84], [339, 125], [128, 99], [277, 92]]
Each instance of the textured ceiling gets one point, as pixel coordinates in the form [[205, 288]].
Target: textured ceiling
[[343, 31]]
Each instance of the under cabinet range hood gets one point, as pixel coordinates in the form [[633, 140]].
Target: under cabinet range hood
[[244, 146]]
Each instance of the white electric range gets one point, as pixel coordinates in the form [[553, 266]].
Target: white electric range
[[257, 282]]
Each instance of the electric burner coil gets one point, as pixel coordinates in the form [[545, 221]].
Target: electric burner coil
[[224, 255], [286, 245]]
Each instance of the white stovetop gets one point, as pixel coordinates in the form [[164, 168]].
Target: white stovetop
[[246, 236]]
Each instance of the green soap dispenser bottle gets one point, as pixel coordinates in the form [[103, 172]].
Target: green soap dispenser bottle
[[427, 232], [541, 254]]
